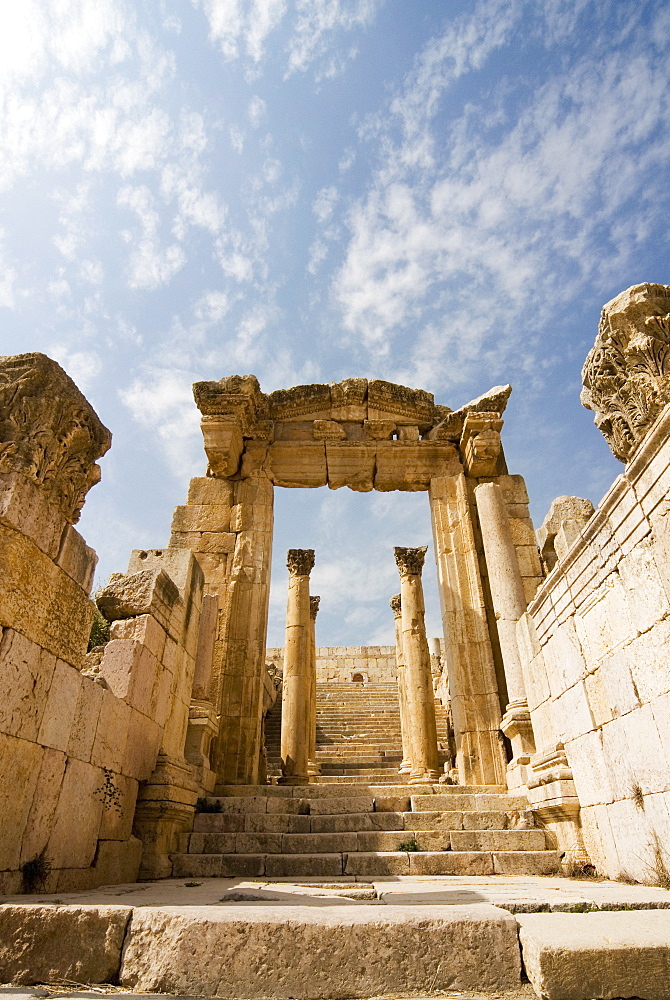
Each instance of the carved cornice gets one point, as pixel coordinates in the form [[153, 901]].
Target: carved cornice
[[410, 561], [396, 606], [314, 607], [49, 432], [626, 375], [300, 562], [480, 444]]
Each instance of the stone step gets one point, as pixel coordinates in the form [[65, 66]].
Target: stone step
[[365, 841], [363, 788], [334, 820], [369, 863]]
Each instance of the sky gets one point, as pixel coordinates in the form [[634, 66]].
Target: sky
[[439, 193]]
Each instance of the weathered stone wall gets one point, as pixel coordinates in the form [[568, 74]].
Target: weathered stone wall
[[80, 733], [340, 663], [596, 644]]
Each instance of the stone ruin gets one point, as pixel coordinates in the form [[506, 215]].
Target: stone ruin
[[555, 663]]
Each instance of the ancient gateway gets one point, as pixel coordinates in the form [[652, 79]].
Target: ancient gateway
[[124, 721]]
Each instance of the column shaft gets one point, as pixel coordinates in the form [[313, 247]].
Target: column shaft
[[406, 763], [312, 763], [420, 699], [295, 728]]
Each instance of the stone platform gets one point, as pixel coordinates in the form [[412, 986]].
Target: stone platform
[[346, 937]]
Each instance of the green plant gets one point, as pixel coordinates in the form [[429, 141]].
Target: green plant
[[409, 845], [205, 806], [99, 629], [637, 795], [35, 872]]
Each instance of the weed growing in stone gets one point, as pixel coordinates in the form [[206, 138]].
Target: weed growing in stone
[[205, 806], [409, 845], [34, 873], [109, 792]]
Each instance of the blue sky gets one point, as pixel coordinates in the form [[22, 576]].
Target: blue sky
[[435, 192]]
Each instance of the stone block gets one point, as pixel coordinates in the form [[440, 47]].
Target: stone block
[[37, 597], [74, 835], [111, 734], [21, 763], [43, 807], [218, 823], [377, 863], [25, 679], [61, 706], [210, 490], [451, 863], [325, 951], [143, 629], [577, 956], [296, 464], [276, 823], [259, 843], [525, 862], [142, 746], [498, 840], [355, 822], [392, 803], [213, 843], [452, 820], [350, 464], [85, 720], [337, 805], [648, 656], [50, 944], [25, 508], [304, 865], [119, 810], [201, 517], [76, 559], [196, 866], [117, 861], [455, 802], [218, 542], [318, 843]]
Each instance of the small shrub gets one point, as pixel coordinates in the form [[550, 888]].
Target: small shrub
[[35, 873], [409, 845], [109, 792], [99, 629], [205, 806]]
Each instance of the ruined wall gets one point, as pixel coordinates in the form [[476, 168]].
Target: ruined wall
[[596, 638], [80, 733]]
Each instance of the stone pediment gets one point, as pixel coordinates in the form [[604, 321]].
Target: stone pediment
[[337, 433]]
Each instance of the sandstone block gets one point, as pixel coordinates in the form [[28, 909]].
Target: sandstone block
[[49, 944], [450, 863], [304, 865], [212, 843], [111, 733], [392, 803], [61, 706], [77, 818], [577, 956], [525, 862], [206, 490], [119, 810], [218, 823], [196, 865], [85, 721], [143, 629], [276, 823], [343, 951], [25, 508], [117, 861], [258, 843], [341, 804], [25, 678], [377, 863], [19, 775], [452, 820], [498, 840], [37, 597], [318, 843], [142, 747], [43, 806], [77, 559], [201, 517]]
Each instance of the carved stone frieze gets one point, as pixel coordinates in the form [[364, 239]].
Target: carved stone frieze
[[314, 607], [328, 430], [449, 424], [626, 375], [49, 432], [410, 561], [379, 430], [396, 606], [300, 562]]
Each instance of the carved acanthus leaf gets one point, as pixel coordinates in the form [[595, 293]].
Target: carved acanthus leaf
[[49, 432], [300, 561], [410, 561], [314, 607], [626, 375], [396, 606]]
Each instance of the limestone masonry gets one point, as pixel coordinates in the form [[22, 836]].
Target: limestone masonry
[[533, 736]]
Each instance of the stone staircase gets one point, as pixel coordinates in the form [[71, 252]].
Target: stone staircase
[[357, 733], [329, 830]]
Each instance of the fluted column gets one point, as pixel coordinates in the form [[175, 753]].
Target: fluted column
[[312, 763], [509, 604], [419, 683], [295, 728], [406, 764]]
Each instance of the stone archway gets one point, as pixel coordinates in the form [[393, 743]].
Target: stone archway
[[364, 434]]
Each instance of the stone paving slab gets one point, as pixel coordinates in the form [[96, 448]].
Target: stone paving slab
[[578, 956]]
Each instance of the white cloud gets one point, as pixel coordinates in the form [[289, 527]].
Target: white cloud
[[324, 203], [242, 24], [162, 402], [83, 367], [257, 111], [150, 264], [318, 24]]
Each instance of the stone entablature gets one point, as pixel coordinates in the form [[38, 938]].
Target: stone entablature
[[340, 663], [357, 433]]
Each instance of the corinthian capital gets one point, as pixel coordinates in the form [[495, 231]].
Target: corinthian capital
[[395, 604], [314, 607], [300, 561], [410, 561]]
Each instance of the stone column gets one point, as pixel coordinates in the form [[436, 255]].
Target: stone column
[[509, 604], [416, 658], [473, 688], [312, 763], [406, 763], [295, 728]]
